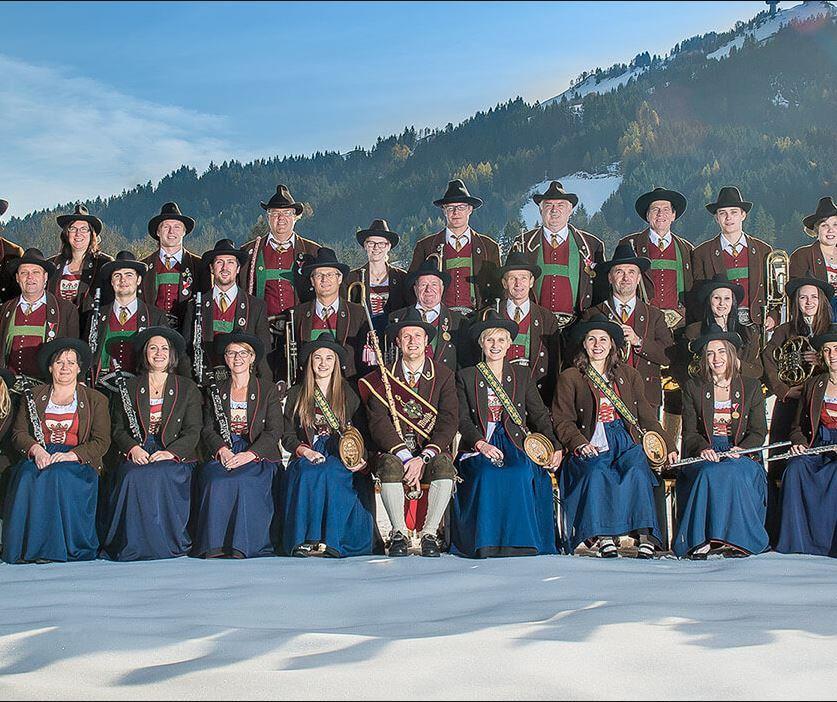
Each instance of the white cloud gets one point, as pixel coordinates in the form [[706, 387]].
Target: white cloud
[[66, 137]]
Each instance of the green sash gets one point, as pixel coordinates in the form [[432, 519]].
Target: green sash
[[325, 408], [264, 274], [524, 340], [570, 270], [219, 326], [611, 395], [463, 262], [738, 273], [500, 392], [168, 278], [668, 265], [104, 359], [23, 330]]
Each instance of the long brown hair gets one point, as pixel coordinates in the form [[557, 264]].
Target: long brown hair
[[733, 364], [822, 317], [305, 406], [582, 360], [67, 250]]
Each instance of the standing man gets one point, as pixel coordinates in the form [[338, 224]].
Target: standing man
[[428, 284], [419, 447], [648, 340], [8, 251], [226, 308], [328, 312], [739, 257], [174, 273], [33, 318], [121, 320], [470, 259], [565, 255], [537, 344]]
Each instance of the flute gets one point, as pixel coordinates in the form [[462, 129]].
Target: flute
[[813, 451], [740, 452]]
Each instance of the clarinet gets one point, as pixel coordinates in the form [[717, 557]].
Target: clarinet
[[93, 336], [37, 428], [218, 411], [127, 405], [197, 340]]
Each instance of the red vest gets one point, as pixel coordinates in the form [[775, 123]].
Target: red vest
[[23, 349], [167, 292], [556, 291], [523, 326], [458, 293], [278, 294], [122, 349], [665, 281], [740, 261], [319, 325]]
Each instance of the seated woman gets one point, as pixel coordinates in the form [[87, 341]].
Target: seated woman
[[324, 501], [503, 507], [600, 413], [242, 425], [718, 301], [721, 503], [809, 485], [156, 430], [63, 431]]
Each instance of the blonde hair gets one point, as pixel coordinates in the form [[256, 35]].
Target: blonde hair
[[486, 332], [5, 400], [305, 406]]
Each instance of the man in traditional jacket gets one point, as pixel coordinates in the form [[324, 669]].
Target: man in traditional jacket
[[111, 335], [537, 344], [738, 256], [174, 273], [34, 317], [566, 256], [470, 259], [226, 308], [648, 340], [428, 284], [418, 448], [328, 312], [8, 251]]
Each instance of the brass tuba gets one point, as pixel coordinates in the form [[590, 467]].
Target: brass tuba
[[777, 264], [791, 367]]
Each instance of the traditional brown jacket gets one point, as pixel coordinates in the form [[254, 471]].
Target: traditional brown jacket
[[8, 285], [87, 285], [351, 331], [304, 250], [192, 277], [806, 425], [62, 320]]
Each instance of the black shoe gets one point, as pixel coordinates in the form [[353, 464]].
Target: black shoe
[[645, 551], [429, 546], [608, 549], [735, 553], [398, 545], [303, 550], [697, 556]]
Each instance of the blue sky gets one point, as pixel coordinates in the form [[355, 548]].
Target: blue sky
[[101, 96]]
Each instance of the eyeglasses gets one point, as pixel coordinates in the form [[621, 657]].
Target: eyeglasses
[[236, 354], [375, 244], [282, 214], [326, 276], [79, 230], [451, 209]]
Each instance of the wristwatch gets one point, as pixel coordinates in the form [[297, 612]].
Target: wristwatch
[[426, 457]]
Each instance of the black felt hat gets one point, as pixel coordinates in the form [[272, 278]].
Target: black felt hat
[[493, 320], [169, 211], [555, 191], [80, 214], [224, 247], [719, 281], [599, 321], [411, 319], [821, 339], [32, 255], [457, 192], [174, 337], [379, 227], [282, 199], [427, 267], [325, 258], [48, 351], [825, 209], [4, 205], [323, 341], [624, 254], [729, 196], [124, 259], [795, 283], [221, 341], [519, 261], [715, 333], [677, 200]]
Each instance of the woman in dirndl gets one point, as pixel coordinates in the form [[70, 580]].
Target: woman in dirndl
[[809, 485], [63, 430], [820, 258], [324, 501], [156, 429], [235, 492], [504, 504], [600, 414], [721, 502]]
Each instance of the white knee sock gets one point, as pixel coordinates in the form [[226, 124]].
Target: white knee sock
[[392, 495], [438, 497]]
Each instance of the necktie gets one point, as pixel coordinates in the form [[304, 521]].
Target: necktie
[[554, 240], [518, 314], [222, 303], [123, 315], [457, 244], [424, 315], [327, 312], [284, 246], [169, 262], [625, 314], [27, 308], [413, 378]]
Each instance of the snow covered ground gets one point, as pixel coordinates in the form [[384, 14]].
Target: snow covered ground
[[589, 85], [593, 189], [549, 627]]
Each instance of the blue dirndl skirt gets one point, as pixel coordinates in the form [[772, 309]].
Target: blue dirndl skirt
[[50, 514], [809, 502], [610, 494], [327, 503], [234, 510], [502, 510], [724, 501], [147, 509]]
